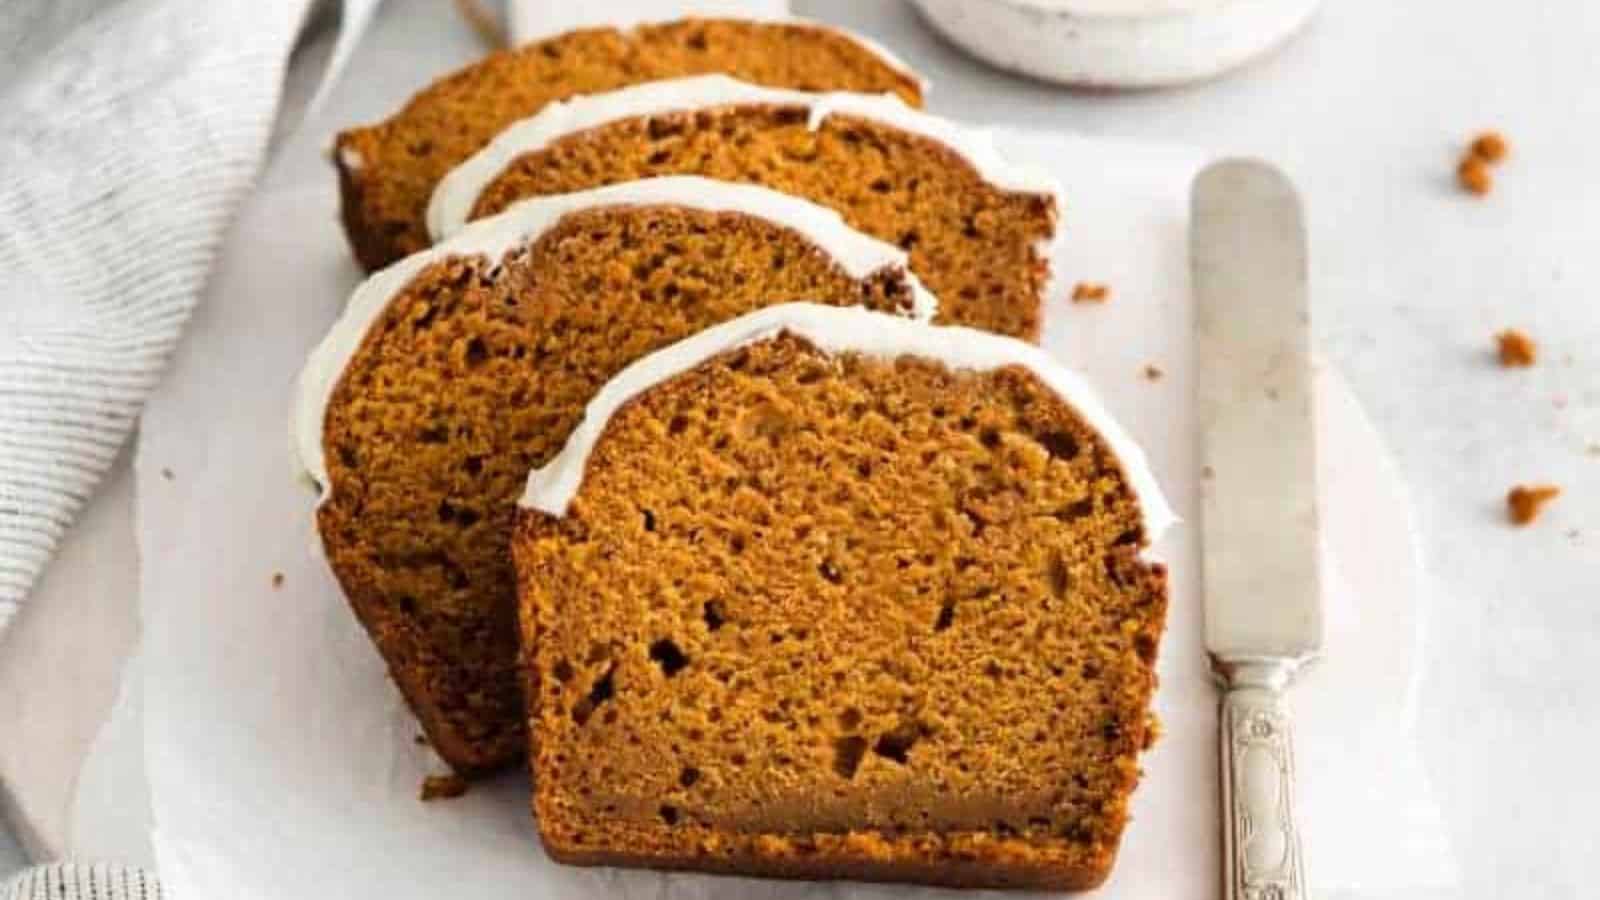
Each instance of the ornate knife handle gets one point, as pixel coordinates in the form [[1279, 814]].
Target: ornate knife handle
[[1260, 843]]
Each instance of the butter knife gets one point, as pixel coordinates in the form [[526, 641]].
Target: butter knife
[[1258, 505]]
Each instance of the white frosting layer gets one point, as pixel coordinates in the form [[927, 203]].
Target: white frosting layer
[[456, 194], [857, 254], [838, 330]]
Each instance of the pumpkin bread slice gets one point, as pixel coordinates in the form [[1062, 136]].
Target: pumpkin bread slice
[[388, 170], [820, 593], [454, 371], [979, 228]]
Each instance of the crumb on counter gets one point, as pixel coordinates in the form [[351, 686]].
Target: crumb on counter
[[1516, 349], [277, 580], [443, 787], [1090, 292], [1490, 146], [1524, 502], [1474, 176], [1153, 372], [420, 740], [1594, 449], [166, 473]]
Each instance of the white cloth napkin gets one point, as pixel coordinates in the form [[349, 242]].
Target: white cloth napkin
[[129, 133]]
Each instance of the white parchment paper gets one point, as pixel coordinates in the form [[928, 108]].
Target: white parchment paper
[[282, 763]]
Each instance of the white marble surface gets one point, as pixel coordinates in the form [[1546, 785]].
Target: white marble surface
[[1367, 112]]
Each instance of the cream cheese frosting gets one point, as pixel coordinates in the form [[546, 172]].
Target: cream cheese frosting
[[857, 254], [551, 487], [454, 197]]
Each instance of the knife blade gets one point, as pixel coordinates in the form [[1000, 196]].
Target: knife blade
[[1259, 521]]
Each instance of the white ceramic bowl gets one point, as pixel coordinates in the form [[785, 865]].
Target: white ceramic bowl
[[1118, 43]]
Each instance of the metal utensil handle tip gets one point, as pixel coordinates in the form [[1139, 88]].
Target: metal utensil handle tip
[[1261, 844]]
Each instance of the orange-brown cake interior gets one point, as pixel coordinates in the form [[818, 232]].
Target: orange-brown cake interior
[[473, 374], [825, 615], [388, 170], [978, 248]]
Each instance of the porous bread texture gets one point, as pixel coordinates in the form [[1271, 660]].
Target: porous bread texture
[[388, 171], [476, 371], [832, 615], [978, 248]]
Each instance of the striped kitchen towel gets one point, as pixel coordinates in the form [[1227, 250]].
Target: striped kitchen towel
[[66, 881], [129, 133]]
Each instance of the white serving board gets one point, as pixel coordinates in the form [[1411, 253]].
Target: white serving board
[[282, 763]]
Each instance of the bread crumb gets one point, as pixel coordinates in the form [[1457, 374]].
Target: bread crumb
[[1153, 730], [1594, 449], [1524, 502], [420, 740], [1517, 350], [1487, 149], [443, 787], [166, 473], [277, 580], [1091, 292], [1474, 176], [1153, 372], [1490, 146]]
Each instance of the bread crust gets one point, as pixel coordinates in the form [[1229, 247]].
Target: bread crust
[[982, 862], [387, 170]]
